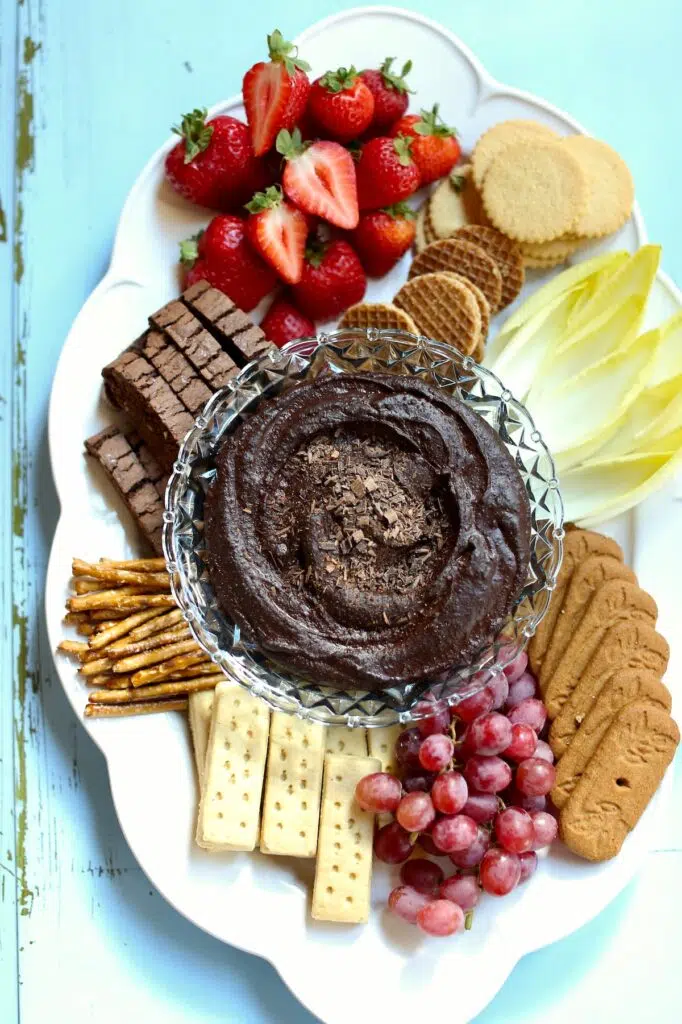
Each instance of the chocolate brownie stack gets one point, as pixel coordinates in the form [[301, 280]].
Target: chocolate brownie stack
[[193, 347]]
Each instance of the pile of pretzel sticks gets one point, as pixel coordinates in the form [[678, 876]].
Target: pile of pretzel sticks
[[138, 653]]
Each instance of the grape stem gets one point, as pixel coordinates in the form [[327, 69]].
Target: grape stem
[[468, 920]]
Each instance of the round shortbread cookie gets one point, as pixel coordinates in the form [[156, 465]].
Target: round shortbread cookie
[[483, 306], [443, 309], [420, 239], [380, 315], [610, 188], [503, 134], [535, 191], [506, 253], [549, 254], [465, 258], [455, 202]]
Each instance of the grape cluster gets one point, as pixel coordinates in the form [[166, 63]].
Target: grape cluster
[[474, 788]]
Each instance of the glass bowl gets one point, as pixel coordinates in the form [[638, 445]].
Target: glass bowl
[[351, 351]]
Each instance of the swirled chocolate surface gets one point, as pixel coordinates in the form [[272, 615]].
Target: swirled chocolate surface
[[367, 530]]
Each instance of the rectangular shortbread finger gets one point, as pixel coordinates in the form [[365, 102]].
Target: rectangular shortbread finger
[[200, 709], [229, 813], [382, 746], [293, 783], [342, 740], [344, 849]]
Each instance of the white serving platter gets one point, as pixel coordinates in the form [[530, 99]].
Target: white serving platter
[[258, 903]]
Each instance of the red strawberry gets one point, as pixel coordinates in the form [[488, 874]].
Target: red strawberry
[[383, 236], [435, 149], [278, 231], [320, 178], [341, 104], [214, 165], [222, 256], [283, 323], [275, 92], [390, 93], [333, 280], [386, 173]]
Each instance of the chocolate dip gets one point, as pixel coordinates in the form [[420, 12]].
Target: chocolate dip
[[367, 530]]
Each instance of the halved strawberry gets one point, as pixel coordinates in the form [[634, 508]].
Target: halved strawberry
[[278, 231], [320, 178], [275, 92]]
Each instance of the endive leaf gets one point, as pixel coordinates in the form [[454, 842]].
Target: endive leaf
[[518, 363], [669, 357], [567, 279], [633, 278], [602, 489], [613, 330], [633, 429], [579, 414]]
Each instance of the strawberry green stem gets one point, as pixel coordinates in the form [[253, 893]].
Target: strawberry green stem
[[196, 133]]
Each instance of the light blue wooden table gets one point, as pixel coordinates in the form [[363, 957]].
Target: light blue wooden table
[[87, 92]]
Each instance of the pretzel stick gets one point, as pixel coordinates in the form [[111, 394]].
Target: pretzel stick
[[156, 626], [111, 682], [92, 668], [154, 657], [73, 647], [83, 586], [147, 708], [75, 618], [110, 632], [109, 574], [152, 692], [169, 668], [85, 629], [113, 599], [107, 615], [135, 564], [150, 643], [206, 668]]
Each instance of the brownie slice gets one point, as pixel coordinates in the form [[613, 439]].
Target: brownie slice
[[235, 331], [135, 476], [215, 367], [175, 370], [134, 385]]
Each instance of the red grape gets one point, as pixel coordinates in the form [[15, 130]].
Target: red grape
[[427, 844], [521, 689], [514, 830], [534, 777], [523, 743], [487, 774], [392, 844], [515, 669], [500, 872], [419, 782], [473, 855], [437, 722], [441, 917], [545, 829], [454, 833], [529, 862], [378, 792], [463, 890], [489, 734], [407, 902], [423, 875], [436, 752], [449, 793], [498, 687], [544, 752], [479, 703], [415, 812], [530, 712], [407, 749], [482, 807], [528, 803]]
